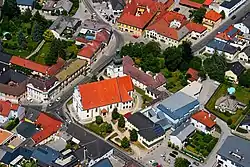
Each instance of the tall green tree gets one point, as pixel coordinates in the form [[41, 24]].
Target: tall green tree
[[181, 162], [125, 143], [37, 32], [223, 15], [115, 114], [133, 135], [245, 79], [196, 63], [198, 15], [21, 40], [173, 58], [10, 9], [26, 16], [121, 122], [98, 120]]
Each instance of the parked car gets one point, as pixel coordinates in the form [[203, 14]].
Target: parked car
[[196, 163], [175, 152], [172, 155], [176, 9], [58, 99], [50, 104], [233, 17]]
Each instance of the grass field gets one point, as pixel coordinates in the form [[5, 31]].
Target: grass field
[[198, 1]]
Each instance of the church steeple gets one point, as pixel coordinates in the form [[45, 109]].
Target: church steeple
[[117, 58]]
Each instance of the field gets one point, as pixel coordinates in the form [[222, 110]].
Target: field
[[198, 1]]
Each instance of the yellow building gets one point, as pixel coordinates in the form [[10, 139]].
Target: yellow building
[[211, 19]]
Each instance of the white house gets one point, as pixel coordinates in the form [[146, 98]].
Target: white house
[[25, 4], [230, 6], [181, 134], [234, 72], [244, 24], [244, 55], [99, 98], [149, 133], [234, 152], [204, 121], [9, 110]]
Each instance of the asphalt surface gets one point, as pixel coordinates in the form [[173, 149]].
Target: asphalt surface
[[240, 13]]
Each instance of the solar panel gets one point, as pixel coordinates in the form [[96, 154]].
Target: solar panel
[[158, 130], [223, 29], [233, 31]]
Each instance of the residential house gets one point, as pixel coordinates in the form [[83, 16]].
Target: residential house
[[193, 89], [104, 162], [67, 159], [234, 72], [204, 121], [138, 14], [26, 130], [64, 27], [230, 6], [244, 55], [36, 68], [194, 4], [245, 123], [58, 7], [92, 149], [118, 6], [10, 111], [194, 75], [244, 24], [25, 4], [179, 136], [228, 104], [12, 86], [222, 48], [99, 98], [31, 115], [234, 152], [196, 31], [115, 69], [211, 19], [172, 111], [149, 133], [5, 136]]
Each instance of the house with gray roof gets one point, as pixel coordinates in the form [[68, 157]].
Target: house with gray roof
[[234, 72], [222, 48], [230, 6], [118, 5], [244, 24], [234, 152], [25, 4], [245, 123], [57, 7], [244, 55], [181, 134]]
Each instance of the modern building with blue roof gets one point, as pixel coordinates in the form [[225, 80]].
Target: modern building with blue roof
[[173, 111], [25, 4], [222, 48], [229, 6]]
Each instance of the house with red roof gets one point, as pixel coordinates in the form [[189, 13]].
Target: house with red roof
[[99, 98], [194, 75], [48, 126], [195, 5], [212, 19], [9, 110], [204, 121], [138, 14], [171, 28]]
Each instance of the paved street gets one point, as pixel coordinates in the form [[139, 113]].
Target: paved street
[[241, 12]]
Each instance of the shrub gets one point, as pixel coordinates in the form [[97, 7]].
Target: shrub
[[229, 121], [133, 135], [115, 114], [98, 120], [241, 130], [125, 142], [121, 122]]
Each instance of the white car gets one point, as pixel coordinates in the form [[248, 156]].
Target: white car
[[151, 161], [50, 104], [58, 99]]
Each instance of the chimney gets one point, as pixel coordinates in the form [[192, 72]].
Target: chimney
[[209, 114]]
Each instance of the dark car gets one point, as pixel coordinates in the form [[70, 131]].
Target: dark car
[[233, 17], [172, 155], [196, 163], [176, 9], [175, 152]]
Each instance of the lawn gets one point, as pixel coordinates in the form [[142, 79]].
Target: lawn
[[97, 128], [242, 94], [146, 98], [201, 144], [198, 1], [174, 80]]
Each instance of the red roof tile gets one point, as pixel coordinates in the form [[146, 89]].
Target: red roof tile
[[196, 27], [49, 126], [127, 115], [6, 107], [213, 15], [194, 74], [89, 50], [190, 4], [106, 92], [205, 118], [225, 35], [47, 70], [207, 2]]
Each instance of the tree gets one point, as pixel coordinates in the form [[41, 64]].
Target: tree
[[223, 15], [48, 36], [10, 9], [244, 79], [26, 16], [181, 162], [173, 58], [115, 114], [186, 51], [229, 121], [125, 143], [121, 122], [37, 32], [196, 63], [21, 40], [198, 15], [98, 120], [133, 135], [109, 128]]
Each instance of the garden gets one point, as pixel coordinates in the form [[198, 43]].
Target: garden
[[242, 94], [201, 144], [146, 99]]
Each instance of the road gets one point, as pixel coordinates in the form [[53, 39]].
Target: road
[[241, 12]]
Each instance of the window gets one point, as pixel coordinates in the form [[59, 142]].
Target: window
[[87, 115], [87, 111]]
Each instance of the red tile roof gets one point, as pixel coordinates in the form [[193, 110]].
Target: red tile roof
[[207, 2], [194, 74], [106, 92], [129, 17], [196, 27], [213, 15], [225, 35], [47, 70], [90, 49], [190, 4], [205, 118], [127, 115], [49, 126], [6, 107], [162, 24]]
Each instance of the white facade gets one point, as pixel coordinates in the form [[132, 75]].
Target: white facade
[[228, 56], [201, 127], [114, 71], [242, 28], [23, 8], [224, 162], [19, 113], [246, 127], [176, 141], [228, 12], [87, 115], [244, 57]]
